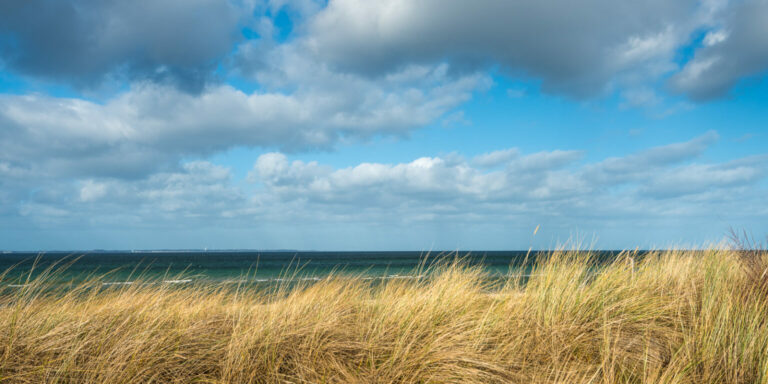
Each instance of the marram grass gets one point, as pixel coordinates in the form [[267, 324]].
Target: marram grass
[[672, 317]]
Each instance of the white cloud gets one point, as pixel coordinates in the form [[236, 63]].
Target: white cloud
[[538, 184], [637, 49], [92, 190], [645, 164], [715, 37], [198, 191], [424, 181], [703, 178], [492, 159], [656, 187], [150, 127]]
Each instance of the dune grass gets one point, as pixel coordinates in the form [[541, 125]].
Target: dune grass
[[672, 317]]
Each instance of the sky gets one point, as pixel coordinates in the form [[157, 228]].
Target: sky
[[381, 124]]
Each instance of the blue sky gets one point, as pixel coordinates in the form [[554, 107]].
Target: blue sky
[[381, 124]]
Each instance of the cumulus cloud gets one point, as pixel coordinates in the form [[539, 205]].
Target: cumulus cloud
[[554, 182], [150, 127], [737, 50], [658, 186], [197, 191], [492, 159], [645, 163], [702, 178], [575, 48], [84, 41], [501, 183]]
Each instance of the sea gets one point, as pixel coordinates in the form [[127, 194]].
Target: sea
[[204, 266]]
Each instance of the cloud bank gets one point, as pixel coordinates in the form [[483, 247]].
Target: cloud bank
[[151, 127], [652, 187], [574, 48], [109, 109], [581, 50]]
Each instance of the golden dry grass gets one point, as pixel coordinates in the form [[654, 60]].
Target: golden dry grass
[[673, 317]]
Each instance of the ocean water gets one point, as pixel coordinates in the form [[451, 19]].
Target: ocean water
[[178, 267]]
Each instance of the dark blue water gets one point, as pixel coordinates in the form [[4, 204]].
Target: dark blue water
[[257, 265]]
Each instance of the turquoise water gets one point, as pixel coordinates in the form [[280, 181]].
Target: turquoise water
[[224, 266]]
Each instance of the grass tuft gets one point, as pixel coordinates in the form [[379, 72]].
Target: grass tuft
[[666, 317]]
